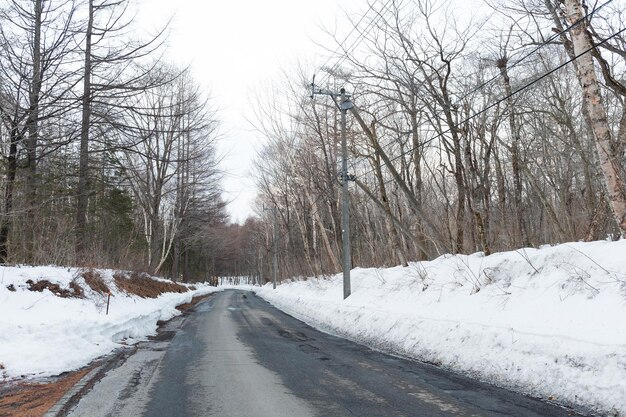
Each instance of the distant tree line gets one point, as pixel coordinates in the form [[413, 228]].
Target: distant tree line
[[476, 134], [108, 151]]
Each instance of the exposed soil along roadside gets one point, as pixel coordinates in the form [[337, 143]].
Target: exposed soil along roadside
[[34, 399], [195, 300]]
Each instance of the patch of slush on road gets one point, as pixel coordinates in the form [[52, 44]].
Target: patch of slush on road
[[550, 322]]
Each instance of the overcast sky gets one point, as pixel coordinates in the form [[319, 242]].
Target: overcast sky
[[234, 47]]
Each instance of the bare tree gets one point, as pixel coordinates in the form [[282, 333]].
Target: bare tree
[[35, 41], [110, 74], [173, 157]]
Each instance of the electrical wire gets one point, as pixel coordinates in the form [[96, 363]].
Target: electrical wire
[[536, 49], [520, 89], [528, 85], [547, 42], [513, 93], [356, 42]]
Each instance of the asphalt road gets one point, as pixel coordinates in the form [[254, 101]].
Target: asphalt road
[[236, 355]]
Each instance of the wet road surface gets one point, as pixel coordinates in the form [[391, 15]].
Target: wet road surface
[[236, 355]]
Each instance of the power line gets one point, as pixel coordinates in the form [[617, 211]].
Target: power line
[[469, 118], [347, 36], [536, 49], [548, 41], [552, 71], [520, 89], [356, 41]]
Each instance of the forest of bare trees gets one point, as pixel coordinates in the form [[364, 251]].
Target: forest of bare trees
[[487, 129], [108, 150], [473, 129]]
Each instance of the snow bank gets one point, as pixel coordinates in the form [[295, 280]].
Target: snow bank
[[549, 322], [43, 335]]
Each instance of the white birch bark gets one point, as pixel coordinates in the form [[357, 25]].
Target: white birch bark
[[599, 122]]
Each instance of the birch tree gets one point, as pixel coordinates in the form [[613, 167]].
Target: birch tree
[[609, 161]]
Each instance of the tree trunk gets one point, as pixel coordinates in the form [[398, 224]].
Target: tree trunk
[[33, 133], [597, 112], [83, 168], [334, 260], [515, 157], [419, 183], [415, 204], [396, 243], [176, 258], [8, 194], [186, 266]]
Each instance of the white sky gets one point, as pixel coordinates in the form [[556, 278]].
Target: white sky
[[235, 46]]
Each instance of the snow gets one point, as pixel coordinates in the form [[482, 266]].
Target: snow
[[549, 322], [43, 335]]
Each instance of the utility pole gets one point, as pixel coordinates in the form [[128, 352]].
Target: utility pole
[[344, 104], [274, 248]]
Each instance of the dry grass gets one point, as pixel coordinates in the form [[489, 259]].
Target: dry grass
[[74, 291], [95, 281], [34, 399], [78, 290], [142, 285]]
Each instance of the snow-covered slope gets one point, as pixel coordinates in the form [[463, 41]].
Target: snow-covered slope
[[42, 334], [550, 322]]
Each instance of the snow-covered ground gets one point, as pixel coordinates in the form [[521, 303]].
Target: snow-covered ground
[[42, 334], [549, 322]]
